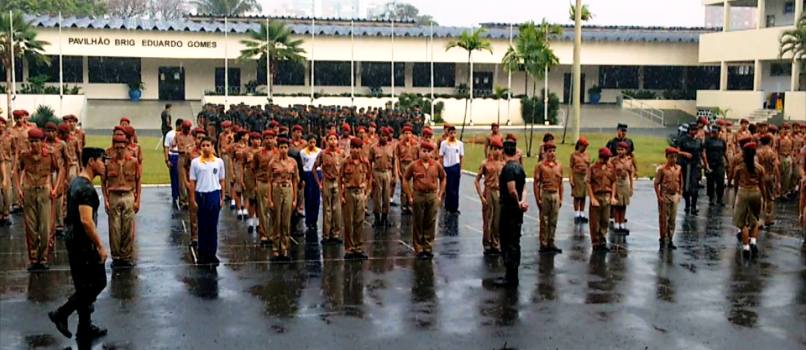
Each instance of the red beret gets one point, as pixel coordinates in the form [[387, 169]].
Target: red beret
[[120, 139], [428, 132], [703, 120], [226, 124], [197, 131], [332, 133], [254, 135], [186, 124], [274, 123], [549, 145], [19, 113], [64, 128], [118, 128], [2, 120], [361, 128], [373, 125], [70, 117], [406, 128], [36, 134], [623, 145], [720, 122], [583, 141], [750, 146], [671, 150], [283, 129], [297, 127], [497, 143], [356, 142], [282, 140], [728, 123], [427, 146], [766, 138], [604, 152], [124, 119], [773, 127], [386, 132], [786, 126], [345, 127], [511, 137], [128, 130], [269, 132], [51, 126]]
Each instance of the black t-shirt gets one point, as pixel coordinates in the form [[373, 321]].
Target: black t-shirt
[[512, 171], [690, 145], [166, 119], [613, 145], [81, 192], [715, 149]]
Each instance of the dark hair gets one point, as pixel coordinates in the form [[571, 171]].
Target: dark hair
[[179, 122], [167, 105], [206, 139], [749, 157], [510, 148], [577, 146], [766, 141], [312, 136], [89, 153]]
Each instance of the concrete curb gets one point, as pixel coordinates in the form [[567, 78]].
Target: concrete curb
[[529, 179]]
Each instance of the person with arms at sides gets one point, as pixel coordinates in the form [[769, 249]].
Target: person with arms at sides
[[580, 163], [225, 140], [490, 200], [121, 188], [86, 252], [250, 182], [184, 142], [310, 173], [767, 157], [601, 183], [261, 165], [356, 177], [494, 135], [511, 184], [622, 166], [668, 187], [716, 152], [452, 153], [328, 179], [207, 176], [691, 162], [382, 159], [751, 194], [428, 183], [548, 188], [6, 158], [405, 154], [283, 180], [170, 153], [165, 120]]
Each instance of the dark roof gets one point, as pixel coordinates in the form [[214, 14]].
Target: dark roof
[[342, 28]]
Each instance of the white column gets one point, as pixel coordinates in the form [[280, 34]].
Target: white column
[[726, 16], [13, 88], [268, 62], [393, 61], [352, 64], [61, 70], [509, 80], [757, 74], [313, 43], [431, 59], [226, 62], [795, 86], [798, 10], [723, 76], [762, 14]]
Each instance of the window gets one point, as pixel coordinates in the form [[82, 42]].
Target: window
[[375, 74], [72, 69], [663, 77], [332, 73], [285, 73], [780, 69], [618, 77], [702, 78], [17, 73], [740, 77], [444, 74], [233, 77], [113, 70]]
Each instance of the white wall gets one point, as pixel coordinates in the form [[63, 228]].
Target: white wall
[[770, 83], [776, 8], [71, 104], [795, 105], [740, 103]]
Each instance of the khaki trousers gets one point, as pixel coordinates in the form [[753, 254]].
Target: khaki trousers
[[263, 210], [354, 203], [5, 192], [183, 178], [281, 218], [548, 217], [36, 211], [425, 220], [491, 215], [599, 217], [331, 209], [121, 225], [381, 194], [227, 175], [667, 213], [404, 199], [769, 205]]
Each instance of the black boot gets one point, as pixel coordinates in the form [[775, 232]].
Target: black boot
[[377, 222], [60, 320], [385, 220]]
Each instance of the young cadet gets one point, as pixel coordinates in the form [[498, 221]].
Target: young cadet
[[37, 189], [250, 182], [195, 152], [494, 135], [6, 158], [261, 165], [406, 153], [19, 134], [225, 140], [668, 188], [382, 159], [622, 166], [184, 143], [452, 153], [490, 199], [548, 188], [601, 183], [356, 176], [768, 159], [206, 180], [72, 153], [802, 206], [121, 188], [309, 154], [57, 147], [330, 161], [240, 150], [427, 181], [749, 178], [580, 163], [283, 180]]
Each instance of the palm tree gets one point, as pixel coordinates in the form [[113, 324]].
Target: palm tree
[[793, 42], [586, 13], [578, 16], [226, 7], [470, 41], [499, 92], [25, 46], [275, 40]]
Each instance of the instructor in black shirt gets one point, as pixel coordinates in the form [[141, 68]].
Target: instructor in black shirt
[[86, 253], [513, 204]]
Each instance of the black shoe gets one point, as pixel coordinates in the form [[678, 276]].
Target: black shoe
[[662, 244], [487, 252], [556, 250], [265, 242], [276, 258], [746, 254], [739, 236], [694, 211], [250, 230], [422, 256], [90, 332], [361, 256], [601, 248], [711, 202], [754, 250], [544, 249], [61, 323], [336, 241], [377, 222], [585, 220], [672, 246], [349, 256], [504, 282], [35, 267], [194, 244], [232, 207], [625, 232], [495, 252], [385, 220]]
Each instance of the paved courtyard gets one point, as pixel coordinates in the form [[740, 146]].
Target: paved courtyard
[[702, 296]]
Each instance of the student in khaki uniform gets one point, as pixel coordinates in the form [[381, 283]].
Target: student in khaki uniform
[[121, 188], [195, 152], [802, 206], [356, 176], [261, 165], [622, 165], [768, 159], [788, 165], [283, 180], [406, 153], [6, 157], [240, 151], [601, 183], [19, 134], [494, 135], [184, 143], [57, 147], [425, 182], [296, 144], [382, 158], [330, 161], [668, 190], [548, 188], [250, 182], [490, 204], [580, 163], [37, 189], [72, 154], [225, 140], [751, 194]]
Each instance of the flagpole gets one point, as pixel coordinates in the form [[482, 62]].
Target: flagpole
[[393, 60], [509, 81], [13, 66], [313, 39], [226, 61], [268, 62], [61, 69], [431, 45], [352, 63]]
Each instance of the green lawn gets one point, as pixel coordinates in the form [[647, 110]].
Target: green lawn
[[649, 153]]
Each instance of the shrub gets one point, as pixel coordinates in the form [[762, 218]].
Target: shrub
[[532, 109]]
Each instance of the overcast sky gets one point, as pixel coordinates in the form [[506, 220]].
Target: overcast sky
[[686, 13]]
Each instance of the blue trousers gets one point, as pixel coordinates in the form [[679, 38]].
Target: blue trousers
[[174, 172], [209, 205], [453, 174], [312, 198]]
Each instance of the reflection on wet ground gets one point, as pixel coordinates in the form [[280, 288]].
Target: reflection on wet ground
[[702, 295]]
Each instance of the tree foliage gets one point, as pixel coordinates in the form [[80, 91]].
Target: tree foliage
[[470, 41], [226, 7], [275, 40], [25, 45], [793, 41], [401, 11], [52, 7], [587, 15]]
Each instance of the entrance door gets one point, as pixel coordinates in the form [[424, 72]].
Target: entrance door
[[172, 83], [482, 84], [567, 82]]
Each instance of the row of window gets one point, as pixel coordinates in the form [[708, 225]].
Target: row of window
[[373, 74], [659, 77]]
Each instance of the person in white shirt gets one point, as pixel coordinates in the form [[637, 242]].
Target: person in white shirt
[[452, 154], [309, 154], [171, 154], [207, 176]]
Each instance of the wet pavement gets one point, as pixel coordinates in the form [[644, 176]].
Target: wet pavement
[[701, 296]]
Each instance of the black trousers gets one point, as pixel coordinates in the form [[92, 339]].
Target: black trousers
[[89, 279], [715, 184], [691, 184], [509, 228]]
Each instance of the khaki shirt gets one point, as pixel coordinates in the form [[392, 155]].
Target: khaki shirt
[[331, 162], [601, 177], [261, 162], [382, 157], [283, 171], [355, 173], [39, 165], [745, 179], [122, 174], [424, 179], [580, 162], [6, 147], [491, 170], [549, 175], [622, 166], [669, 178], [786, 146], [184, 143], [406, 151]]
